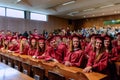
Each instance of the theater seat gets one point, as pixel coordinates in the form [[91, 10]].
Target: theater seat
[[17, 65], [10, 62], [26, 69], [38, 73], [4, 59], [0, 58], [55, 76]]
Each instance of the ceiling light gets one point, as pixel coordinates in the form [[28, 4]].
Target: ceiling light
[[103, 13], [73, 13], [107, 6], [115, 11], [89, 9], [18, 0], [69, 2]]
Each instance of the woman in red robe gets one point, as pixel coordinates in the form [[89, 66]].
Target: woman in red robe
[[90, 45], [113, 56], [24, 46], [14, 45], [41, 48], [33, 47], [98, 58], [54, 52], [75, 55], [5, 45]]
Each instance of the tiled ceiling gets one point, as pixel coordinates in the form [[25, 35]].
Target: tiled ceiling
[[79, 9]]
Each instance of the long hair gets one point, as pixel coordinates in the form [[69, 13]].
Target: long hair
[[109, 47], [35, 46], [40, 49], [72, 47], [4, 45], [102, 47]]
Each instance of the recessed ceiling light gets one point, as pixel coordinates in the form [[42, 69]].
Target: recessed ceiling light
[[103, 13], [115, 11], [107, 6], [69, 2], [90, 9]]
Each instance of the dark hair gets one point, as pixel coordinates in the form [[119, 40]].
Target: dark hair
[[40, 49]]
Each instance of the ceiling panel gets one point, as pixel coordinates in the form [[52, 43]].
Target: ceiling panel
[[55, 7]]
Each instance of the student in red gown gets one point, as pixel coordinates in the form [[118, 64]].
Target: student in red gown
[[24, 46], [33, 47], [41, 48], [5, 45], [113, 56], [116, 42], [98, 58], [116, 45], [75, 55], [90, 45], [54, 52], [14, 45]]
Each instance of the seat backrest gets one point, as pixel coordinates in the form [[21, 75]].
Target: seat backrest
[[38, 73], [26, 68], [55, 76]]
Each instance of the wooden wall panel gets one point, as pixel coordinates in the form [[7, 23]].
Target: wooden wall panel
[[21, 25], [98, 21]]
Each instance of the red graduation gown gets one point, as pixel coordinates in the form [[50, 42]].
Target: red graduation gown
[[75, 58], [114, 55], [98, 64], [32, 52], [14, 48], [88, 49], [25, 50], [38, 53], [59, 53]]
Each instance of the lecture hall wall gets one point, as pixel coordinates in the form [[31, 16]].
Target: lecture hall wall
[[21, 25], [98, 21]]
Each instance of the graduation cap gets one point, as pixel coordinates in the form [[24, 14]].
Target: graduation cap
[[99, 38], [42, 39], [32, 39], [118, 33], [107, 37], [23, 37], [75, 36], [51, 38], [92, 35], [13, 38]]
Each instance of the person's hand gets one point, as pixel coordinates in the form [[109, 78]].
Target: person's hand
[[34, 57], [55, 60], [87, 69], [67, 63]]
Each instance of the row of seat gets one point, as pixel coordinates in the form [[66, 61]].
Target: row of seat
[[38, 73]]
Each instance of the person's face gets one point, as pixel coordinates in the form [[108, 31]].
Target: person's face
[[106, 43], [53, 43], [24, 40], [41, 44], [33, 42], [14, 41], [6, 42], [98, 44], [76, 42], [93, 40], [118, 37]]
